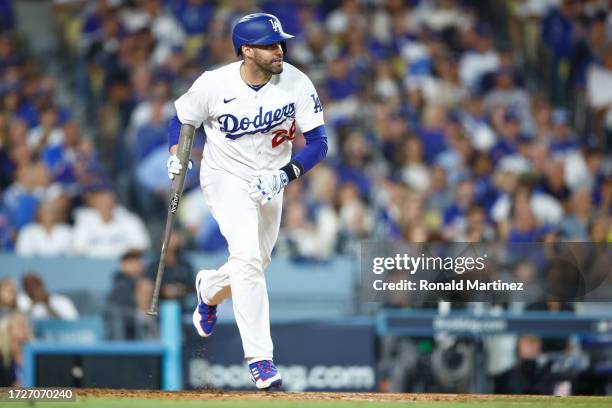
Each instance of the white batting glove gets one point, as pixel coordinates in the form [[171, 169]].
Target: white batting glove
[[264, 187], [174, 166]]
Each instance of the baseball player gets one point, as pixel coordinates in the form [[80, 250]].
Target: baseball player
[[250, 111]]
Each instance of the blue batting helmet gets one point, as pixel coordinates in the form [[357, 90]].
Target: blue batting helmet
[[258, 29]]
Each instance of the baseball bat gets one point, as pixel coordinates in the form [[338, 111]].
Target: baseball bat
[[183, 152]]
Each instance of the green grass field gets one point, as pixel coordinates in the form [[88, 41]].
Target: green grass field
[[492, 402]]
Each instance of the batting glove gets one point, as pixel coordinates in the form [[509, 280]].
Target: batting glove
[[174, 166], [265, 187]]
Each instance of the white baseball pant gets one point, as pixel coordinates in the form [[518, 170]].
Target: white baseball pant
[[251, 232]]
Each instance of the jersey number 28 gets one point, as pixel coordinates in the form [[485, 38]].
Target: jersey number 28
[[280, 135]]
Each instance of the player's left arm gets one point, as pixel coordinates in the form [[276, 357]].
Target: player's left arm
[[314, 151], [264, 187], [309, 115]]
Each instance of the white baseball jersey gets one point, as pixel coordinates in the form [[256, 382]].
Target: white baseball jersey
[[249, 130]]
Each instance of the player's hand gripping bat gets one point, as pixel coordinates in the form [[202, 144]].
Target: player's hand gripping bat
[[178, 182]]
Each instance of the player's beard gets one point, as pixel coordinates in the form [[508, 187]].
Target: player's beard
[[268, 65]]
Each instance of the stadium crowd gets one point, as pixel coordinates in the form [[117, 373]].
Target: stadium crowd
[[443, 125], [448, 121]]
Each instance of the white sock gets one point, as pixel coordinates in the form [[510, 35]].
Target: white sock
[[256, 359]]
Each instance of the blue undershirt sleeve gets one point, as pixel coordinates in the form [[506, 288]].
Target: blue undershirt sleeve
[[315, 149], [174, 130]]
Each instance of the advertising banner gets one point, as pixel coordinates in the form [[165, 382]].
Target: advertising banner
[[309, 356]]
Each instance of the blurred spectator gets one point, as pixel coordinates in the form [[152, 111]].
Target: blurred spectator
[[563, 139], [131, 268], [508, 127], [38, 303], [14, 333], [72, 162], [21, 198], [194, 15], [341, 87], [599, 88], [558, 30], [48, 236], [113, 117], [8, 296], [199, 222], [456, 155], [541, 112], [149, 122], [531, 374], [526, 271], [480, 58], [179, 274], [351, 169], [524, 227], [577, 172], [322, 209], [477, 228], [433, 133], [574, 226], [128, 298], [356, 222], [554, 182], [475, 120], [545, 208], [151, 184], [445, 88], [300, 235], [348, 14], [415, 173], [439, 195], [166, 30], [105, 228], [312, 51], [485, 191], [455, 216], [507, 94], [48, 133], [150, 135], [148, 327]]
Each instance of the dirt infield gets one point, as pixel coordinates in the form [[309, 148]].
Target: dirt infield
[[218, 395]]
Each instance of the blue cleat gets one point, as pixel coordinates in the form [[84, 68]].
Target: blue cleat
[[265, 375], [204, 316]]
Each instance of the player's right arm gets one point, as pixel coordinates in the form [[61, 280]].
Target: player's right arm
[[191, 111], [175, 130]]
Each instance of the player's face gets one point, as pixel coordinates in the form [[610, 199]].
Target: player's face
[[268, 58]]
